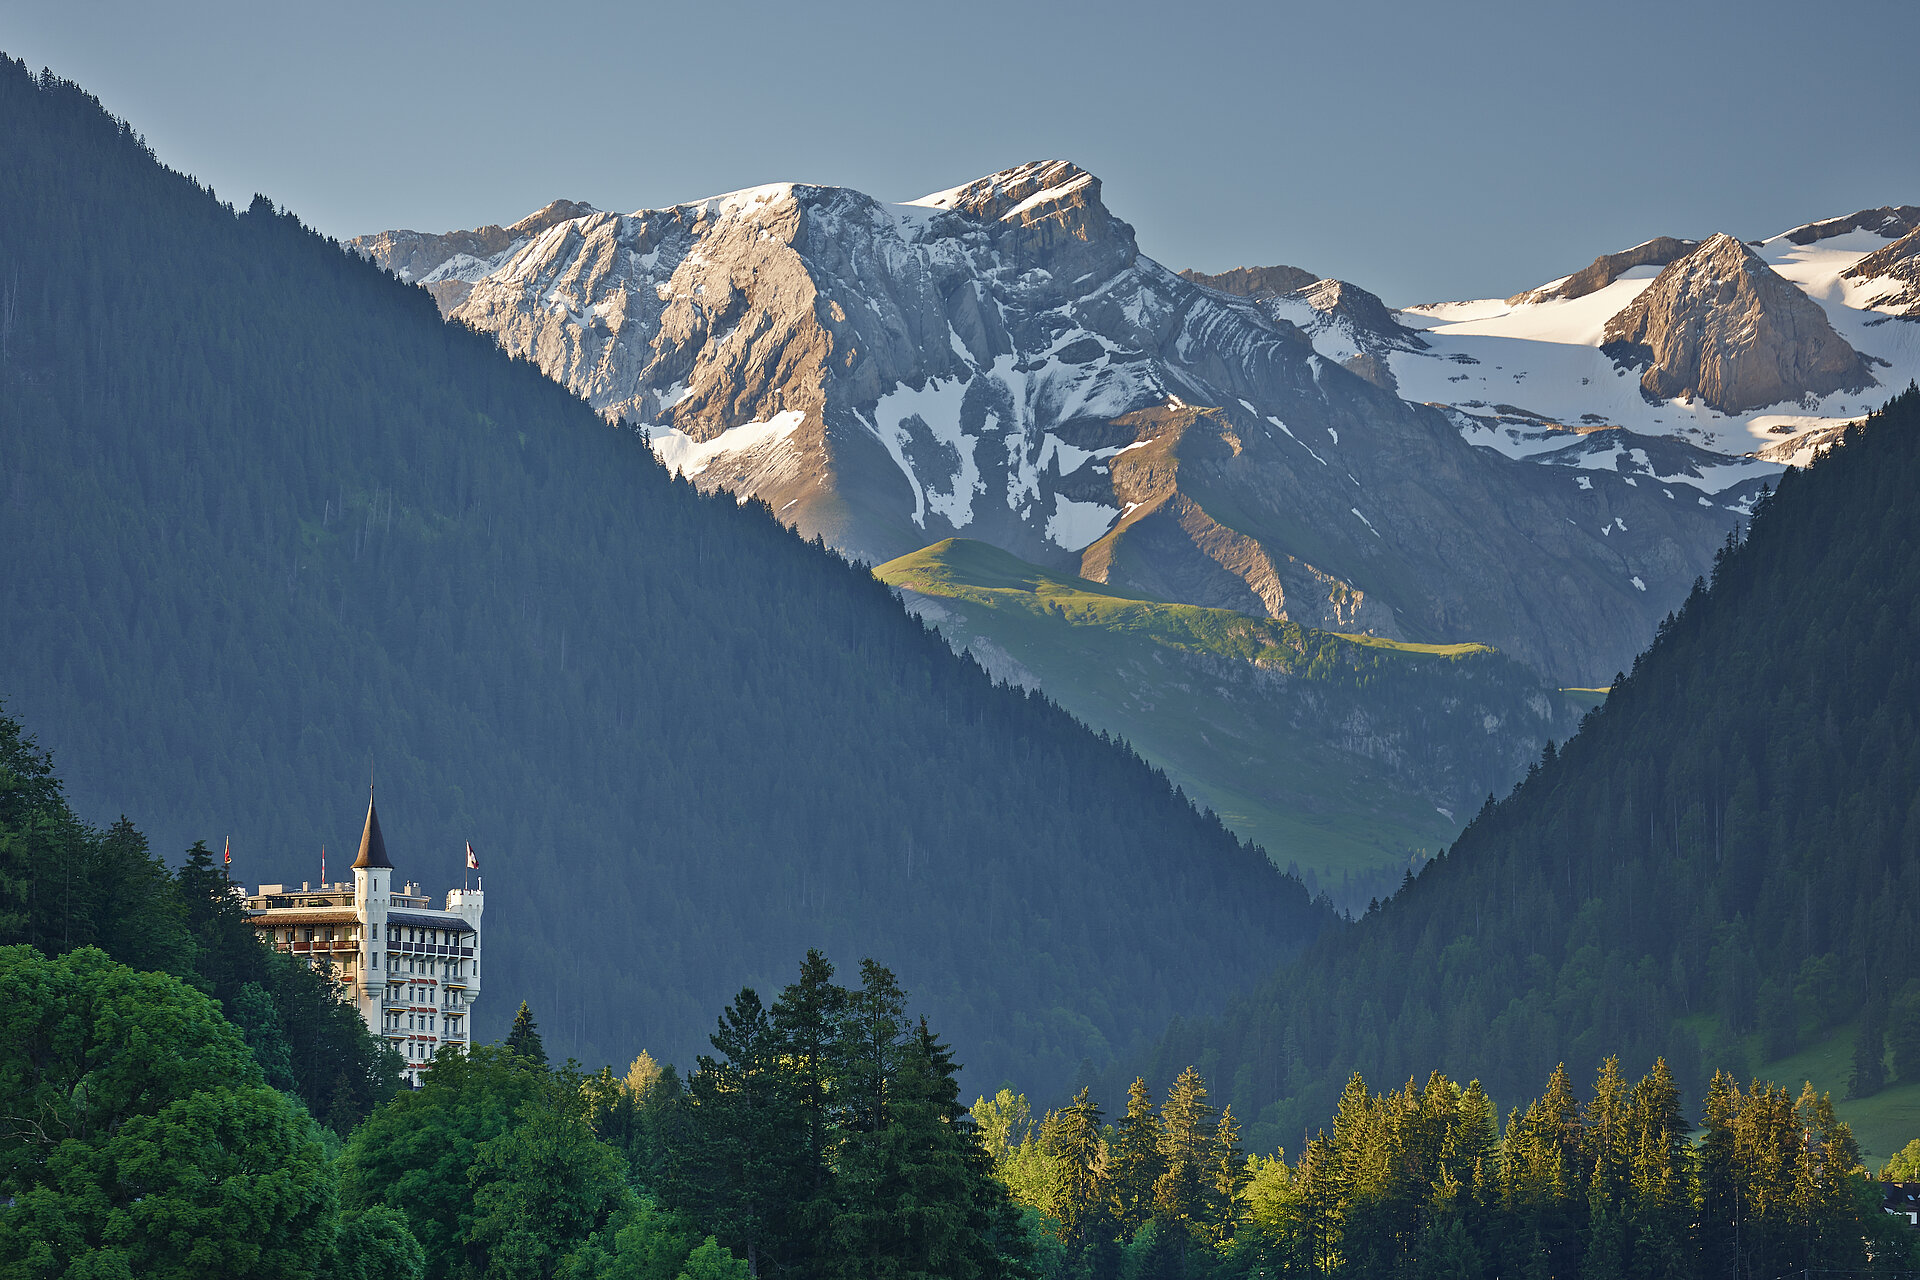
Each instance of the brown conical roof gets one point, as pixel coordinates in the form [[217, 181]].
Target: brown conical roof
[[373, 847]]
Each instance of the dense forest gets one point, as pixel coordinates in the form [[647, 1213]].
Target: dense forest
[[1723, 862], [273, 522]]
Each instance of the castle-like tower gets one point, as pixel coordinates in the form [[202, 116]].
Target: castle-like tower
[[411, 970]]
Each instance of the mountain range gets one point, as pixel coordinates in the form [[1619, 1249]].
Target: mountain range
[[1546, 474], [1001, 362]]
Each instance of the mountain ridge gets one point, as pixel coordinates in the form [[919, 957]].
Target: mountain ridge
[[994, 362]]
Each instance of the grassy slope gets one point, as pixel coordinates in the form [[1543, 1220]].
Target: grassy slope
[[1882, 1124], [1113, 658]]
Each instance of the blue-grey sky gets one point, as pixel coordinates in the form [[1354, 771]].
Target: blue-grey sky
[[1427, 149]]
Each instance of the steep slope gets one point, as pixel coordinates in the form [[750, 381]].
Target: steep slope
[[1344, 756], [1720, 325], [1000, 362], [1724, 861], [272, 519], [1893, 276]]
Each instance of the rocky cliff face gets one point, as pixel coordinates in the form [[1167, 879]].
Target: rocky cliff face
[[1255, 282], [1000, 362], [1720, 325]]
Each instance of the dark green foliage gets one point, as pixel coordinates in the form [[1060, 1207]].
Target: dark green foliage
[[1732, 833], [418, 1154], [139, 1139], [1869, 1074], [856, 1161], [544, 1186], [825, 1138], [276, 516], [375, 1244], [524, 1037], [66, 885]]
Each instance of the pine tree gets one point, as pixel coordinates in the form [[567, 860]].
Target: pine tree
[[1227, 1177], [524, 1037], [1721, 1180], [809, 1020], [737, 1168], [1661, 1197], [1136, 1163], [1183, 1198], [1080, 1195]]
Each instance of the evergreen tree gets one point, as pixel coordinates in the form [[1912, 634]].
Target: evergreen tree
[[524, 1037], [1227, 1179], [809, 1019], [1183, 1196], [1136, 1163], [740, 1168], [1079, 1195]]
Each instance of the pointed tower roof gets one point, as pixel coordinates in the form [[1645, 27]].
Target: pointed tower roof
[[373, 847]]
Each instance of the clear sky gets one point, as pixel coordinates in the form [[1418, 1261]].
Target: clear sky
[[1425, 150]]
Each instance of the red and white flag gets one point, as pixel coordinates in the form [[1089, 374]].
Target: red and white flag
[[226, 854], [323, 864], [473, 863]]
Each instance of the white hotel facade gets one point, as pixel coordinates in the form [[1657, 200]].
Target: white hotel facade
[[413, 971]]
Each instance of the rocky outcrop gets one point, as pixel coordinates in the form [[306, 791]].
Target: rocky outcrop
[[1254, 282], [1720, 325], [1359, 313], [1607, 268], [1889, 221], [1894, 273], [415, 255]]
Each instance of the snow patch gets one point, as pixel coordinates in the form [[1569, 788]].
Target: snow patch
[[1075, 526], [683, 455]]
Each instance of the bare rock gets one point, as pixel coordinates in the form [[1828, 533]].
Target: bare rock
[[1720, 325], [1254, 282], [1607, 268], [415, 255], [1889, 221]]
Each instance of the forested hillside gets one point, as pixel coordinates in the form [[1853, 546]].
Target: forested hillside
[[271, 520], [1724, 861]]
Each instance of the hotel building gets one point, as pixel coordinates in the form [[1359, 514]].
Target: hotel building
[[413, 971]]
